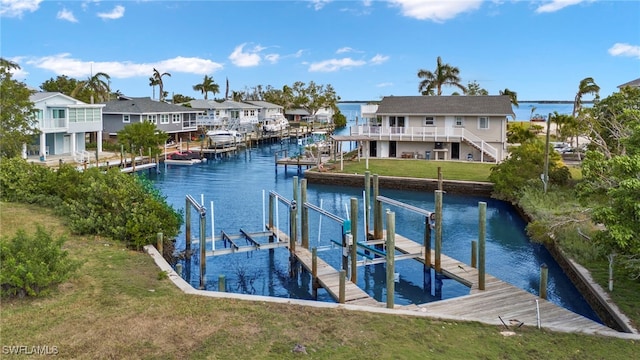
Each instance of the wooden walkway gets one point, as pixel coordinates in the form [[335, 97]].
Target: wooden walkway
[[499, 300]]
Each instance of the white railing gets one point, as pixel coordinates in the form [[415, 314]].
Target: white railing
[[53, 124], [425, 133], [82, 156]]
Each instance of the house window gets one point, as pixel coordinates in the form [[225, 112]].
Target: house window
[[429, 121], [152, 118], [246, 113], [126, 118], [176, 118], [483, 122], [57, 113], [459, 121], [164, 118], [217, 112]]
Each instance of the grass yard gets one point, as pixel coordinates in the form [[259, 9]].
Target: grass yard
[[119, 307], [451, 170]]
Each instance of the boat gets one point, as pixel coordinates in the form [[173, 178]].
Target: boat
[[275, 124], [223, 137], [184, 158]]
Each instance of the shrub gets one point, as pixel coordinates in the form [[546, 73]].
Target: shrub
[[33, 265]]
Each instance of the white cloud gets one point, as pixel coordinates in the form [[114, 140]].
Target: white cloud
[[379, 59], [620, 49], [16, 8], [435, 10], [272, 58], [319, 4], [557, 5], [64, 64], [333, 65], [240, 57], [66, 15], [385, 84], [345, 49], [116, 13]]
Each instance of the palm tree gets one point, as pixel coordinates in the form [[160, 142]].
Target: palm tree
[[513, 96], [586, 86], [153, 83], [208, 85], [444, 74], [157, 77], [98, 86]]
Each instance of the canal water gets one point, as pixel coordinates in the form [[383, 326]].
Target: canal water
[[237, 186]]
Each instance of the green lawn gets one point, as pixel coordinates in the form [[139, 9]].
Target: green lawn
[[119, 307], [451, 170]]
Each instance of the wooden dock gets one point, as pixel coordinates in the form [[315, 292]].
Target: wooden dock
[[499, 300]]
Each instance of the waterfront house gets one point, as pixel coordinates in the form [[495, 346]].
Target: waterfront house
[[633, 83], [64, 124], [177, 121], [436, 127], [231, 115]]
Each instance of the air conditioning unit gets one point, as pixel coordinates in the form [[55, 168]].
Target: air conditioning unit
[[438, 145]]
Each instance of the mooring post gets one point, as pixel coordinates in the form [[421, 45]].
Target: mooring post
[[221, 284], [377, 209], [271, 200], [314, 272], [427, 241], [187, 230], [474, 253], [391, 252], [341, 291], [354, 240], [203, 248], [482, 226], [544, 272], [367, 202], [160, 244], [438, 246], [293, 234], [179, 269], [304, 220], [439, 178]]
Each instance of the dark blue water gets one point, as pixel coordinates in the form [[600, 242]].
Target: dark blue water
[[236, 186]]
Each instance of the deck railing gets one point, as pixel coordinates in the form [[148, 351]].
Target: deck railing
[[425, 133]]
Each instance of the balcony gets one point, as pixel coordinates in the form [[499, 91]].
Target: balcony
[[53, 125]]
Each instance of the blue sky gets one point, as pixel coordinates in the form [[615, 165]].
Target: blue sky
[[364, 49]]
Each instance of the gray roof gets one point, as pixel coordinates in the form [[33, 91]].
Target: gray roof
[[297, 112], [43, 95], [143, 105], [264, 104], [226, 105], [632, 83], [446, 105]]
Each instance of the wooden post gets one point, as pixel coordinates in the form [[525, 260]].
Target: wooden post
[[304, 220], [221, 284], [314, 272], [482, 241], [179, 269], [203, 250], [293, 233], [160, 244], [474, 254], [377, 209], [544, 272], [341, 292], [391, 250], [187, 230], [367, 202], [270, 225], [438, 245], [439, 178], [427, 241], [354, 240]]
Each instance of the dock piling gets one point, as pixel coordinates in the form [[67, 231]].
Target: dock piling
[[544, 273], [391, 254], [304, 215], [221, 284], [160, 243], [474, 254], [482, 206], [438, 245], [354, 240]]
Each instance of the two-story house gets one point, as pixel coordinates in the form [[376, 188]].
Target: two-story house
[[437, 127], [231, 115], [177, 121], [65, 123]]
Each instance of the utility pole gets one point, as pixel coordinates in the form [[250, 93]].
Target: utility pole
[[545, 176]]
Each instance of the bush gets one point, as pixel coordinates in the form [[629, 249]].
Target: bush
[[33, 265]]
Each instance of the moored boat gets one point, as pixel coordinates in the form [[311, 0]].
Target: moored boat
[[184, 158], [275, 125], [223, 137]]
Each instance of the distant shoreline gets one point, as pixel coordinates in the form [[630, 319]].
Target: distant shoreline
[[519, 102]]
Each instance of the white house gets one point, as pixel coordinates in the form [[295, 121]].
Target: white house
[[64, 123], [228, 114]]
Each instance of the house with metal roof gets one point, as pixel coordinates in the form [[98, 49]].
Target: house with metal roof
[[437, 128], [633, 83], [64, 124], [267, 110], [177, 121]]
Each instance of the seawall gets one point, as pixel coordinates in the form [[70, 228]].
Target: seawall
[[591, 291]]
